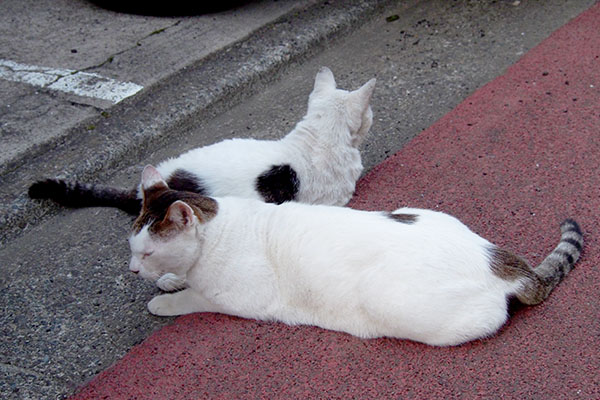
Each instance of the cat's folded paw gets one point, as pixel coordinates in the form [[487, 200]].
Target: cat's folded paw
[[170, 282], [161, 306]]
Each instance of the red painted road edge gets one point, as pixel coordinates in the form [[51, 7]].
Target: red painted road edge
[[512, 161]]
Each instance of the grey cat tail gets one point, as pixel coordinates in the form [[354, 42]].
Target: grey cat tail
[[562, 259], [537, 283], [77, 195]]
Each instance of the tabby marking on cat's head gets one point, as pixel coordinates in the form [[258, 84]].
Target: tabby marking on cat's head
[[164, 237]]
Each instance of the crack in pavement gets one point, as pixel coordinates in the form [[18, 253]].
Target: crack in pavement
[[138, 43]]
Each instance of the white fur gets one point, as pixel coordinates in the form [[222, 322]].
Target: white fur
[[354, 271], [322, 149]]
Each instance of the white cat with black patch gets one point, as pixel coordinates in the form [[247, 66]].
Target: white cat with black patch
[[413, 274], [318, 162]]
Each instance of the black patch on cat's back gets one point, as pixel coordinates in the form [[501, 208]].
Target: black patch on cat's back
[[278, 184], [403, 218], [183, 180]]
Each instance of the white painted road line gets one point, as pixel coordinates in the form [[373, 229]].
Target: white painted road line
[[69, 81]]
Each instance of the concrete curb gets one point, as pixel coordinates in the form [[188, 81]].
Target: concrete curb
[[132, 128]]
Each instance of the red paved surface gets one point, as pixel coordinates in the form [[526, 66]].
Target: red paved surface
[[511, 161]]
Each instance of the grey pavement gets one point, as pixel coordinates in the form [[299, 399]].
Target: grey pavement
[[69, 307], [79, 36]]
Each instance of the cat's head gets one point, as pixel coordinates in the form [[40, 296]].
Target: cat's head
[[166, 236], [330, 107]]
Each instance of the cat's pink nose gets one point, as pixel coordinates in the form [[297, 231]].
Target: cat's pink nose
[[134, 266]]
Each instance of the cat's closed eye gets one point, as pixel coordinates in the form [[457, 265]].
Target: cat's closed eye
[[147, 254]]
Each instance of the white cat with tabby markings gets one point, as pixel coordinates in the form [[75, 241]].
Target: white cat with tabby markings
[[413, 274], [318, 162]]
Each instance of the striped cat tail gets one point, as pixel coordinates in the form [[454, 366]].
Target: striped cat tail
[[564, 256], [537, 283], [77, 195]]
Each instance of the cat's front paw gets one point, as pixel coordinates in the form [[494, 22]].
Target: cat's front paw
[[170, 282], [162, 306]]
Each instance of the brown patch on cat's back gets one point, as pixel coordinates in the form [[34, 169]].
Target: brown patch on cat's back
[[507, 266], [403, 218], [157, 201]]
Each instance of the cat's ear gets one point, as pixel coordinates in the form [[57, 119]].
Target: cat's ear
[[361, 97], [180, 214], [324, 80], [151, 177]]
